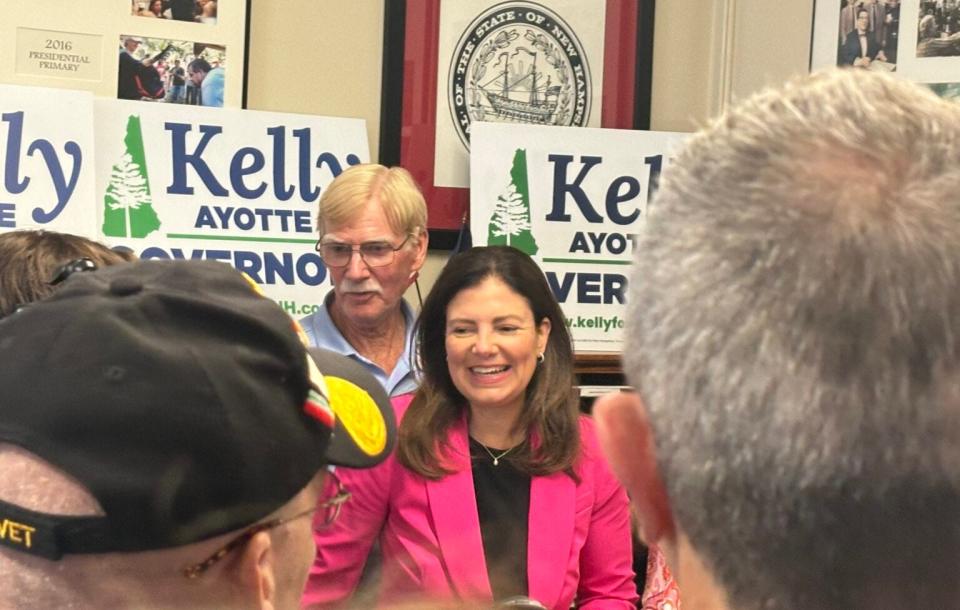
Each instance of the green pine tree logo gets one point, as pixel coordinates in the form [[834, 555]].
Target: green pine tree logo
[[510, 222], [127, 205]]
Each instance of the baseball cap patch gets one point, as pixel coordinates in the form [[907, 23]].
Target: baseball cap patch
[[358, 415], [365, 429]]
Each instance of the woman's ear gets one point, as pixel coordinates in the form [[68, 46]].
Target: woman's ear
[[543, 335]]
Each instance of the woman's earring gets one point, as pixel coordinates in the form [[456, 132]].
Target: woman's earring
[[540, 358]]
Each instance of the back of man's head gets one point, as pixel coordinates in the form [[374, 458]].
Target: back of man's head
[[151, 414], [793, 332]]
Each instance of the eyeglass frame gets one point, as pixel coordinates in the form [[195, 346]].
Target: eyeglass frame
[[77, 265], [358, 249], [340, 498]]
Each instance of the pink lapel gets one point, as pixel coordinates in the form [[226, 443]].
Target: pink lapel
[[453, 506], [550, 535]]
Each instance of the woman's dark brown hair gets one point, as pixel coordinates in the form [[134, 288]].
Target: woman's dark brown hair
[[550, 408], [29, 259]]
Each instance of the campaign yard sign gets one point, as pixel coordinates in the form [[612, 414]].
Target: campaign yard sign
[[573, 199], [237, 186], [47, 157]]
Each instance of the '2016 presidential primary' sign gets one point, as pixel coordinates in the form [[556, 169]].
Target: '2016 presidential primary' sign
[[572, 198], [46, 154], [236, 186]]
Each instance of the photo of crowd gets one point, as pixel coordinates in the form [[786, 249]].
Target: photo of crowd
[[938, 30], [171, 71], [869, 30], [198, 11]]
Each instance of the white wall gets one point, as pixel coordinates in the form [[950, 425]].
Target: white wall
[[317, 57], [324, 57], [710, 52]]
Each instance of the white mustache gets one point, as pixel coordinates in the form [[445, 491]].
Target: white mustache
[[367, 285]]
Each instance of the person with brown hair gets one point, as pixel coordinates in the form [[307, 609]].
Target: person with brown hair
[[30, 260], [497, 489]]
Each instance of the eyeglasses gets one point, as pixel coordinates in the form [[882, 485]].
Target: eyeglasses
[[327, 512], [75, 266], [374, 253]]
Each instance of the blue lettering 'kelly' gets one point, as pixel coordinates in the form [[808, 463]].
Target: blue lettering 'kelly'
[[248, 162], [14, 184], [621, 190], [180, 159], [575, 189]]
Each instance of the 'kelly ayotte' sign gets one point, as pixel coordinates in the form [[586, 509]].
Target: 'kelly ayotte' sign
[[237, 186], [47, 156], [572, 198]]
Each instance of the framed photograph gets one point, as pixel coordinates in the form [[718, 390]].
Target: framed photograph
[[448, 63], [190, 11], [916, 39], [130, 49], [172, 71]]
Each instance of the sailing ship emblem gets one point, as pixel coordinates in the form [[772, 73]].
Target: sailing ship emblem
[[539, 106], [519, 62]]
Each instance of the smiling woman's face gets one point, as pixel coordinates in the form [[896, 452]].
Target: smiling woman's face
[[492, 345]]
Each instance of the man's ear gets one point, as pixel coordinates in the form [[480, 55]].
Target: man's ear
[[423, 240], [627, 441], [257, 565]]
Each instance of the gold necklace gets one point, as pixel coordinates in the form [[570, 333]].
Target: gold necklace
[[496, 458]]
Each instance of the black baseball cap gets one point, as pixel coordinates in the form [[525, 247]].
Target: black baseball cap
[[183, 400]]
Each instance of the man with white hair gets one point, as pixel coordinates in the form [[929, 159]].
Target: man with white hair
[[164, 438], [372, 227], [130, 66], [793, 315]]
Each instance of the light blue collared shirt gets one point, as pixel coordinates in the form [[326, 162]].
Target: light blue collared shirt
[[323, 333]]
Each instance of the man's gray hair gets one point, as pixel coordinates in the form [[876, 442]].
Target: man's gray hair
[[794, 319]]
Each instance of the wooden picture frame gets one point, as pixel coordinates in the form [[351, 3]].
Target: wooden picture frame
[[409, 94]]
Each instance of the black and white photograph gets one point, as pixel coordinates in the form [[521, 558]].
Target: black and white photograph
[[937, 29], [868, 34], [918, 40]]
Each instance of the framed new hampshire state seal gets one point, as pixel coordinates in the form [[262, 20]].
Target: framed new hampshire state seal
[[450, 63]]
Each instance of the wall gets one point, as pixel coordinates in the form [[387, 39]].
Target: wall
[[324, 57], [317, 57], [708, 53]]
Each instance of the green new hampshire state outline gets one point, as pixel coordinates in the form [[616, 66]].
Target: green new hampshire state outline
[[127, 204], [510, 222]]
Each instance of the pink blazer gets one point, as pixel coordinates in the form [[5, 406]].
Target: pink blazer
[[578, 546]]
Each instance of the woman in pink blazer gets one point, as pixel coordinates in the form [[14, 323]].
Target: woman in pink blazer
[[497, 488]]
